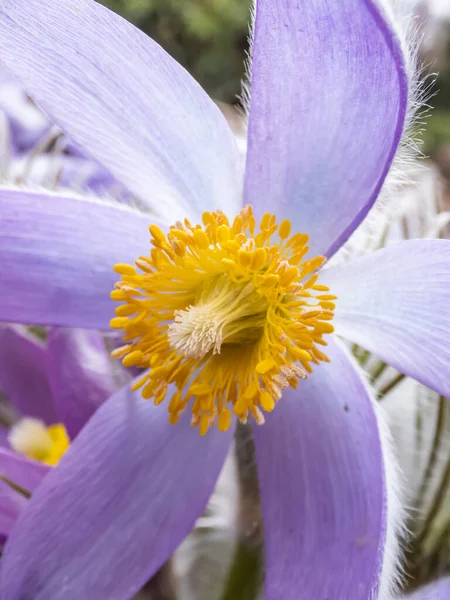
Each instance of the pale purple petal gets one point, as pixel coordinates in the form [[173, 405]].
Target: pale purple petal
[[58, 253], [395, 303], [23, 373], [329, 94], [439, 590], [125, 101], [11, 505], [121, 500], [23, 471], [80, 375], [323, 489]]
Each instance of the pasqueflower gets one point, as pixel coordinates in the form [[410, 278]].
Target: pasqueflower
[[230, 311], [33, 153], [26, 123], [54, 388]]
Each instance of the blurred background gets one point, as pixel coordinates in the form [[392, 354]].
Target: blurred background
[[208, 37]]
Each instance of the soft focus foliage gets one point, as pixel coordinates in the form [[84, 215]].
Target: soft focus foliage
[[208, 37]]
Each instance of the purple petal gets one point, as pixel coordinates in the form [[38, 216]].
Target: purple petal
[[80, 375], [439, 590], [24, 471], [11, 505], [4, 431], [23, 374], [125, 101], [395, 303], [58, 253], [121, 500], [329, 95], [323, 488]]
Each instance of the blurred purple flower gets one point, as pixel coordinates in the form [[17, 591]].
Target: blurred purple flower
[[27, 124], [329, 95], [37, 154], [63, 381], [57, 170]]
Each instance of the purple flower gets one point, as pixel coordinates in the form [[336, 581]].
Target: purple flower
[[329, 96], [56, 171], [37, 154], [26, 123], [61, 382]]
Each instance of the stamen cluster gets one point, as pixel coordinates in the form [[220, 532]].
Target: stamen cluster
[[223, 317]]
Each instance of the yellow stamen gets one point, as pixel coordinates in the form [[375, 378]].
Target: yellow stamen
[[225, 315], [267, 402], [33, 439]]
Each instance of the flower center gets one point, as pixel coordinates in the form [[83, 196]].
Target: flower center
[[223, 313], [225, 316], [33, 439]]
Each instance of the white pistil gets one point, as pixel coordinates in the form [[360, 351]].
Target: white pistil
[[204, 327], [195, 331]]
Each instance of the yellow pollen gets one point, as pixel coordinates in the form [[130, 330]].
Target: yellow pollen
[[224, 316], [33, 439]]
